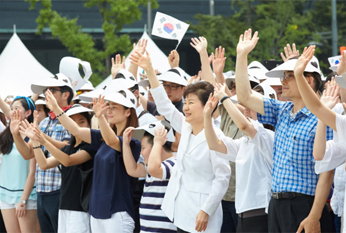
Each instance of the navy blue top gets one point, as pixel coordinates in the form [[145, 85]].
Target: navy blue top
[[111, 190]]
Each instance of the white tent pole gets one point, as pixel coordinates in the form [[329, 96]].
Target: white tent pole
[[14, 28]]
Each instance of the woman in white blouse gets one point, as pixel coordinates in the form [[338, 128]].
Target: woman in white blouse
[[200, 178], [253, 156]]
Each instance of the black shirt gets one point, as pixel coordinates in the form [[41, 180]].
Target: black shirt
[[71, 180]]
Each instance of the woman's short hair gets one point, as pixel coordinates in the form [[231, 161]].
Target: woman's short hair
[[201, 89]]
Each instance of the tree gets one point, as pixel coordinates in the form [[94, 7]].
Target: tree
[[278, 22], [115, 13]]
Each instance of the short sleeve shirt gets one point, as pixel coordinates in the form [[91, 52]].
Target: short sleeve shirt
[[293, 162], [50, 180], [111, 190]]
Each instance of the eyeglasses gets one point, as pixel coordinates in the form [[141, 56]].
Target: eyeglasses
[[171, 87], [286, 77], [51, 89]]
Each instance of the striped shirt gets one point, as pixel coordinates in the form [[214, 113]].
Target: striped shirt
[[293, 167], [50, 180], [152, 218]]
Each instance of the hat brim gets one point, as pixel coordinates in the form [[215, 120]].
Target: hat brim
[[138, 132], [76, 110]]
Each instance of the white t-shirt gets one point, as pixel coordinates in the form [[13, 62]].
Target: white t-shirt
[[152, 218], [254, 164]]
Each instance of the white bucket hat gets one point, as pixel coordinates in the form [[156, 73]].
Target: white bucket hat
[[257, 70], [122, 97], [138, 132], [272, 82], [279, 71], [88, 96], [76, 109], [59, 80], [88, 86], [126, 75], [175, 75]]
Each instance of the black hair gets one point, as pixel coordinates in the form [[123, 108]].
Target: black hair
[[318, 84], [69, 90], [150, 138], [6, 138], [45, 109], [202, 89], [3, 119]]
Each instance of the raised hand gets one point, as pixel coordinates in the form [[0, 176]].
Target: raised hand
[[194, 79], [39, 136], [220, 90], [289, 53], [173, 59], [200, 44], [27, 129], [210, 105], [117, 65], [303, 60], [16, 119], [219, 60], [127, 135], [331, 94], [342, 65], [138, 59], [99, 106], [35, 118], [51, 101], [247, 42], [141, 46], [160, 136]]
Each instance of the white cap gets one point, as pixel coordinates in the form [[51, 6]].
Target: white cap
[[122, 97], [279, 71], [76, 109], [341, 80], [88, 86], [232, 78], [88, 96], [59, 80], [257, 70], [40, 102], [144, 83], [272, 82], [269, 92], [138, 132], [175, 75], [229, 74], [126, 75]]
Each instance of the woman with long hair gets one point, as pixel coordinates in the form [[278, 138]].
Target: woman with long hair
[[17, 176], [199, 179], [111, 206]]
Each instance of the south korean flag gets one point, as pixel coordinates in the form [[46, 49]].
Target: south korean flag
[[168, 27]]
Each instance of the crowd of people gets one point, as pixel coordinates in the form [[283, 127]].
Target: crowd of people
[[250, 150]]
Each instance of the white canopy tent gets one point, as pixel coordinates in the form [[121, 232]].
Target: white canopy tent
[[19, 69], [159, 60]]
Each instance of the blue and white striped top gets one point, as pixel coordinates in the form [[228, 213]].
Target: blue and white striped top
[[152, 218]]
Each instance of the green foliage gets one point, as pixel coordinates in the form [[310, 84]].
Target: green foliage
[[115, 14], [278, 23]]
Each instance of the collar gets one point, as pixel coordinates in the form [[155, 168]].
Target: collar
[[299, 113], [52, 115]]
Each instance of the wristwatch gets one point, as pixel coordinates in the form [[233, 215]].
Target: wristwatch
[[23, 202]]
